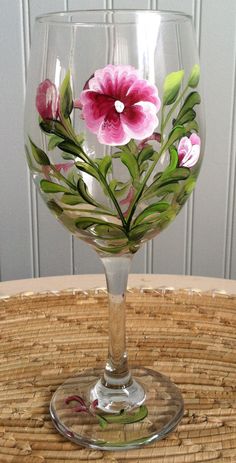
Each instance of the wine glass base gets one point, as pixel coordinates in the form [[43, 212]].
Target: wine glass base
[[84, 423]]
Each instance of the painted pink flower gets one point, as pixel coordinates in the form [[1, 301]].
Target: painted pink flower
[[82, 407], [154, 137], [118, 105], [189, 150], [60, 167], [127, 201], [47, 100]]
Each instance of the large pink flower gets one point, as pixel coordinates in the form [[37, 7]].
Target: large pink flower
[[189, 150], [118, 105], [47, 100]]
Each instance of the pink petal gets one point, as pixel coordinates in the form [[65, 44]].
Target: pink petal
[[113, 80], [111, 131], [46, 172], [95, 108], [140, 120], [75, 398], [80, 409], [78, 104], [64, 166], [184, 146], [195, 139], [47, 100], [128, 198], [142, 90], [155, 136], [191, 159]]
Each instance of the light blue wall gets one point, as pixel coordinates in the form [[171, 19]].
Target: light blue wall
[[202, 240]]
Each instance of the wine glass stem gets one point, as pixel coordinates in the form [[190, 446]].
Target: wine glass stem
[[116, 373]]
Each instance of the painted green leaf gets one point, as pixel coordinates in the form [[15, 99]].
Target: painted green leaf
[[68, 156], [71, 200], [161, 191], [145, 154], [54, 141], [174, 159], [119, 188], [193, 125], [104, 165], [139, 231], [51, 187], [39, 155], [54, 127], [131, 163], [180, 173], [109, 231], [70, 147], [66, 101], [83, 191], [80, 138], [186, 190], [53, 206], [130, 147], [167, 189], [194, 76], [192, 99], [116, 155], [178, 132], [31, 165], [128, 417], [144, 167], [188, 116], [172, 86], [152, 209], [85, 222], [84, 167], [102, 422]]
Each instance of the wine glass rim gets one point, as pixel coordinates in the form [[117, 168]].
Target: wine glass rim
[[57, 16]]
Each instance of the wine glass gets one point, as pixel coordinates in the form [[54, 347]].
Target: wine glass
[[113, 138]]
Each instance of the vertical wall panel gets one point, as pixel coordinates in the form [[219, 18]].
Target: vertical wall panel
[[186, 6], [15, 236], [210, 214], [86, 4], [138, 4], [230, 261]]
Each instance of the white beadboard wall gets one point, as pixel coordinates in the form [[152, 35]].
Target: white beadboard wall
[[202, 240]]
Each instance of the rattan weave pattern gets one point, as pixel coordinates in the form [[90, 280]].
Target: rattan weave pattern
[[190, 336]]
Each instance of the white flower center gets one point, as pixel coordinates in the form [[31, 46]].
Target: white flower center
[[119, 106]]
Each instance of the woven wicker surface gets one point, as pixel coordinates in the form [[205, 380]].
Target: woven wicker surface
[[189, 336]]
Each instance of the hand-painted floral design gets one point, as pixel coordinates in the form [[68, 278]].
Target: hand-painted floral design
[[189, 150], [47, 100], [124, 417], [81, 406], [60, 167], [118, 105], [159, 166]]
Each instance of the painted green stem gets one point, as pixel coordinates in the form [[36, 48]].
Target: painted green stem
[[166, 120], [125, 418], [143, 184], [59, 176], [94, 165]]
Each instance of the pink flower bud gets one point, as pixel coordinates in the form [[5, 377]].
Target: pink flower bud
[[47, 100], [189, 150]]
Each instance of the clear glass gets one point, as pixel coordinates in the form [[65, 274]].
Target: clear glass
[[114, 141]]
